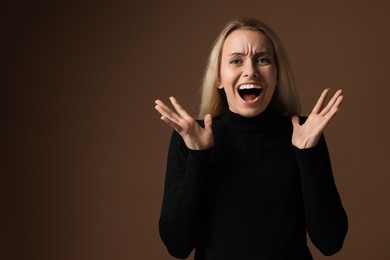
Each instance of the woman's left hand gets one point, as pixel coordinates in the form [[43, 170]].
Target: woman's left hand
[[308, 134]]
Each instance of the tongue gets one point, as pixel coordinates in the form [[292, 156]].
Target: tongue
[[249, 97]]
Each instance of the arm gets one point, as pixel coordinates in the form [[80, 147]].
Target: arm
[[188, 158], [181, 215], [326, 220]]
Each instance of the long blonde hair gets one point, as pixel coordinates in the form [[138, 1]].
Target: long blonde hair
[[285, 100]]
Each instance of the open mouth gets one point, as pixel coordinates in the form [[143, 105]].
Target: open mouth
[[249, 92]]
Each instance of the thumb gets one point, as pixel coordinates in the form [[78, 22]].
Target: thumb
[[295, 121], [208, 121]]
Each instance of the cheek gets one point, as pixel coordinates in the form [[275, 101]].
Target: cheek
[[272, 77], [227, 75], [271, 92]]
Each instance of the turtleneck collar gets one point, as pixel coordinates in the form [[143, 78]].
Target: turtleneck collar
[[263, 121]]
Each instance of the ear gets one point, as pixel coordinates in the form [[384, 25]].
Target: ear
[[219, 84]]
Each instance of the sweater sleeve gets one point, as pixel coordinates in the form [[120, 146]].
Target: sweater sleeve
[[326, 219], [184, 191]]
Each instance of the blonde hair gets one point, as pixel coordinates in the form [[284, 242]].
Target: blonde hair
[[285, 100]]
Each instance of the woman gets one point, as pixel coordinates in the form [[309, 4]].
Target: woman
[[252, 177]]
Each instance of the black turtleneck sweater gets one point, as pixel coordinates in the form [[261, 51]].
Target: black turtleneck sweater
[[252, 196]]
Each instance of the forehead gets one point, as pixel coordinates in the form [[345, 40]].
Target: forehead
[[245, 41]]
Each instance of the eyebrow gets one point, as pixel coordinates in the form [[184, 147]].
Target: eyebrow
[[242, 53]]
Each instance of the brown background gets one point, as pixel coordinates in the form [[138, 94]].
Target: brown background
[[84, 151]]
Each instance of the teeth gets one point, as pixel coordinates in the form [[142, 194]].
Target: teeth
[[249, 86]]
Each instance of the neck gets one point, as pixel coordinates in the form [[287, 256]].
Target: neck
[[260, 122]]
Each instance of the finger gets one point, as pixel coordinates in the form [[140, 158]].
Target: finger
[[180, 110], [208, 120], [335, 108], [164, 110], [164, 107], [161, 106], [295, 122], [317, 108], [332, 112], [171, 124], [332, 102], [339, 101]]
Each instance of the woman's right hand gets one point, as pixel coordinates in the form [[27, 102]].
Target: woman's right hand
[[194, 136]]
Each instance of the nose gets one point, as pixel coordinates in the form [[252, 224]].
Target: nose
[[250, 70]]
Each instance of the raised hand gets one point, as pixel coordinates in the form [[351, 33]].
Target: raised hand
[[194, 136], [308, 134]]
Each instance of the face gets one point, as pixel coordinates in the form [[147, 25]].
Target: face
[[248, 72]]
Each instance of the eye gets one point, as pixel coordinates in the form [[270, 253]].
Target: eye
[[236, 61], [264, 61]]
